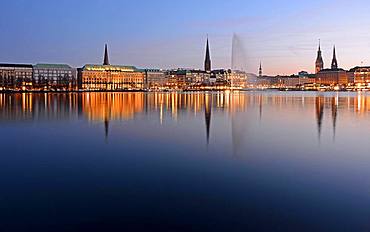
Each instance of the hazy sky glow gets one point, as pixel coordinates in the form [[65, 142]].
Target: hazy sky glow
[[169, 34]]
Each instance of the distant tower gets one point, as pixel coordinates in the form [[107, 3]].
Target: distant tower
[[260, 70], [334, 63], [207, 62], [319, 60], [106, 59]]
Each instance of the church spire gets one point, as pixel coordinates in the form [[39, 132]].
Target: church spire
[[106, 59], [207, 62], [319, 61], [260, 70], [334, 63]]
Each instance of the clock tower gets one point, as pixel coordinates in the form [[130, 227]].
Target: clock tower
[[319, 61]]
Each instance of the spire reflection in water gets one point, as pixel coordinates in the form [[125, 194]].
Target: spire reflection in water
[[144, 156], [107, 107]]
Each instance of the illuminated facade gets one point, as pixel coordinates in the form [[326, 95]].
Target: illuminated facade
[[220, 75], [361, 75], [155, 79], [332, 77], [54, 76], [111, 78], [108, 77], [16, 76], [198, 76], [176, 79], [293, 81], [237, 79]]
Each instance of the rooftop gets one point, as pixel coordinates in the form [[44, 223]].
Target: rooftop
[[332, 70], [112, 68], [16, 65], [52, 66], [359, 68]]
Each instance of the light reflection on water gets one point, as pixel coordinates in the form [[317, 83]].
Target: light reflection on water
[[269, 161], [106, 107]]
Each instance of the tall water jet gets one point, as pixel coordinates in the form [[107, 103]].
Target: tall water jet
[[238, 54]]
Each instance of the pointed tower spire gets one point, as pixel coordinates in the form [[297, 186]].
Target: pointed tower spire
[[334, 63], [106, 59], [260, 70], [319, 61], [207, 62]]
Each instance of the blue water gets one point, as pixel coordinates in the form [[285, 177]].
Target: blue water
[[248, 161]]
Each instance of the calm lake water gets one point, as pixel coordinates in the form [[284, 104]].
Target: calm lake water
[[257, 161]]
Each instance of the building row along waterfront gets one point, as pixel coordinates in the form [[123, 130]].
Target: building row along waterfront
[[93, 77], [108, 77], [325, 78], [37, 77]]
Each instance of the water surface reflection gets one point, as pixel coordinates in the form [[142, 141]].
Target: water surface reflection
[[106, 107], [259, 161]]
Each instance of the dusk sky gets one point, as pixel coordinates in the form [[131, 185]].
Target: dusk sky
[[170, 34]]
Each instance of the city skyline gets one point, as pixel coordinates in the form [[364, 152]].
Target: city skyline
[[283, 35], [191, 115], [111, 77]]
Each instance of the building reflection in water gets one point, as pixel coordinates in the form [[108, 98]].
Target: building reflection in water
[[27, 106], [260, 100], [319, 113], [106, 107], [334, 113], [238, 120]]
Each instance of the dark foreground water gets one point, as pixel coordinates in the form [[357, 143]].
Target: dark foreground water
[[255, 161]]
